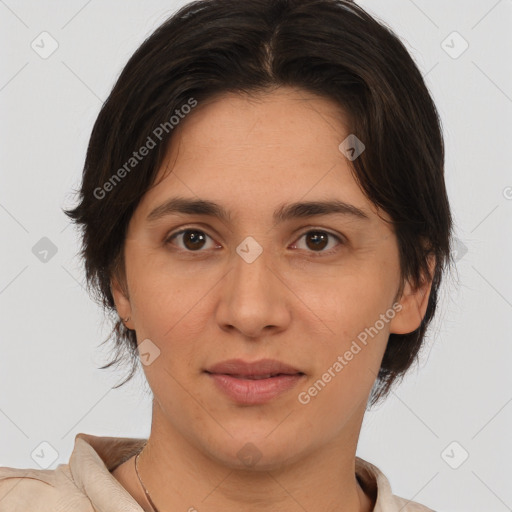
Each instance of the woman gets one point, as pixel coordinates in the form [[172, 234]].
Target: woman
[[263, 206]]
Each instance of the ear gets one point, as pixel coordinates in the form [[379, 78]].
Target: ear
[[122, 301], [413, 302]]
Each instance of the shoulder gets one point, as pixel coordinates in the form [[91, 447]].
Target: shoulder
[[27, 490], [377, 486], [409, 506]]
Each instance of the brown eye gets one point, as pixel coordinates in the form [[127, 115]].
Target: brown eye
[[317, 241], [192, 240]]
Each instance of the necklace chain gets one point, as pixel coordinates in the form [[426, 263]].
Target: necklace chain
[[153, 506]]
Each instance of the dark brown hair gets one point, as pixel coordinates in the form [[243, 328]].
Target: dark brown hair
[[332, 48]]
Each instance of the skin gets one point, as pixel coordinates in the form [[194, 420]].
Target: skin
[[296, 303]]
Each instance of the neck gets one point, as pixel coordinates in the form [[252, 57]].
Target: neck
[[180, 477]]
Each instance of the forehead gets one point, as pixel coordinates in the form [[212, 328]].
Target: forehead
[[251, 151], [287, 133], [281, 118]]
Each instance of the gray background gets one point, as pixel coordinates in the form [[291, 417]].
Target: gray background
[[50, 387]]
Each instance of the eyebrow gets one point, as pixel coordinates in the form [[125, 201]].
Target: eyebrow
[[182, 205]]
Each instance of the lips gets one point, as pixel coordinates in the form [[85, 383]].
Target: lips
[[254, 383], [262, 369]]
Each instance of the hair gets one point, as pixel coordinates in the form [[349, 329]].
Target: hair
[[331, 48]]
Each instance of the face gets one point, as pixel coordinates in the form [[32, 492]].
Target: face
[[313, 287]]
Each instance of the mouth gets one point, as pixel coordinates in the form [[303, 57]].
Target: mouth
[[253, 383], [263, 368], [258, 377]]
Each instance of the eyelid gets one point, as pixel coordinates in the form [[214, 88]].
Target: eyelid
[[309, 229]]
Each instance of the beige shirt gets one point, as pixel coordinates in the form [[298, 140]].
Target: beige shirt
[[86, 484]]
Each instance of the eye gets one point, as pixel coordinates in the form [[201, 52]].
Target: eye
[[193, 240], [317, 240]]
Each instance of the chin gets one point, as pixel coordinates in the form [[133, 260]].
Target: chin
[[257, 453]]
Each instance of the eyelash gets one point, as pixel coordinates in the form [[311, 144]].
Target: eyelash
[[172, 236]]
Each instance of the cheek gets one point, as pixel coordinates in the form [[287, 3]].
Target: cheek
[[173, 309], [358, 308], [346, 364], [347, 299]]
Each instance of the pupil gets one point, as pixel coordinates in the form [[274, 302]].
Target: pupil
[[192, 238], [317, 236]]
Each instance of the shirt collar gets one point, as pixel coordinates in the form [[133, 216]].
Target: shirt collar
[[94, 457], [91, 461]]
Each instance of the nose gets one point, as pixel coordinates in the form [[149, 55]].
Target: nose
[[254, 298]]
